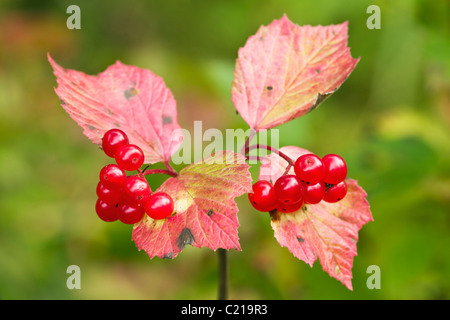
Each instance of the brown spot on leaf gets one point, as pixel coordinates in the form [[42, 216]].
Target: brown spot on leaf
[[317, 71], [168, 255], [167, 120], [274, 216], [210, 212], [129, 93], [185, 238], [319, 99], [300, 239], [269, 88]]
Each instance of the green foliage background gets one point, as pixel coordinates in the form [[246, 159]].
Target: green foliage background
[[390, 120]]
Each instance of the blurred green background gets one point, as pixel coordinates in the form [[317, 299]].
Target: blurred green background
[[390, 120]]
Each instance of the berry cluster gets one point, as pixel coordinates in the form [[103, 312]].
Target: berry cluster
[[315, 180], [122, 197]]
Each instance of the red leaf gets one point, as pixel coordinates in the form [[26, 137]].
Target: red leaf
[[126, 97], [205, 210], [325, 230], [285, 71]]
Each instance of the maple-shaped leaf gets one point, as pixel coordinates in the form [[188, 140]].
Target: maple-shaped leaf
[[132, 99], [285, 71], [205, 210], [328, 231]]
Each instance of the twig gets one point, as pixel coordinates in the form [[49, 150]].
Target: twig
[[223, 274]]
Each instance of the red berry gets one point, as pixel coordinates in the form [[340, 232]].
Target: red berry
[[159, 206], [288, 208], [109, 195], [136, 189], [336, 193], [112, 176], [129, 157], [112, 140], [289, 189], [105, 211], [263, 197], [130, 213], [314, 193], [309, 168], [335, 169]]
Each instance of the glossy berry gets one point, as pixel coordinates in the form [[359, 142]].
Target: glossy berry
[[289, 208], [112, 176], [309, 168], [336, 193], [314, 193], [159, 206], [129, 157], [112, 140], [335, 168], [109, 195], [105, 211], [289, 189], [263, 197], [136, 190], [130, 213]]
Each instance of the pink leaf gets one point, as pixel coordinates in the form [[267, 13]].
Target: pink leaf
[[325, 230], [205, 210], [126, 97], [285, 71]]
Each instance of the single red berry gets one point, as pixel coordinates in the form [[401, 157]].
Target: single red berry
[[314, 193], [130, 213], [309, 168], [289, 189], [129, 157], [336, 193], [159, 206], [335, 169], [289, 208], [136, 190], [263, 197], [105, 211], [112, 176], [109, 195], [112, 140]]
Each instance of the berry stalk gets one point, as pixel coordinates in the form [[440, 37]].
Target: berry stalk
[[271, 149]]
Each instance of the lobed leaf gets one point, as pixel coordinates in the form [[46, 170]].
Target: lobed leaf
[[328, 231], [285, 71], [125, 97], [205, 210]]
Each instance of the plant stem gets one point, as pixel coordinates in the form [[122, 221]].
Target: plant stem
[[287, 169], [244, 149], [271, 149], [162, 171], [169, 167], [223, 274]]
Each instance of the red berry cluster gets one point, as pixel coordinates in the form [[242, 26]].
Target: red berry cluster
[[122, 197], [315, 180]]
